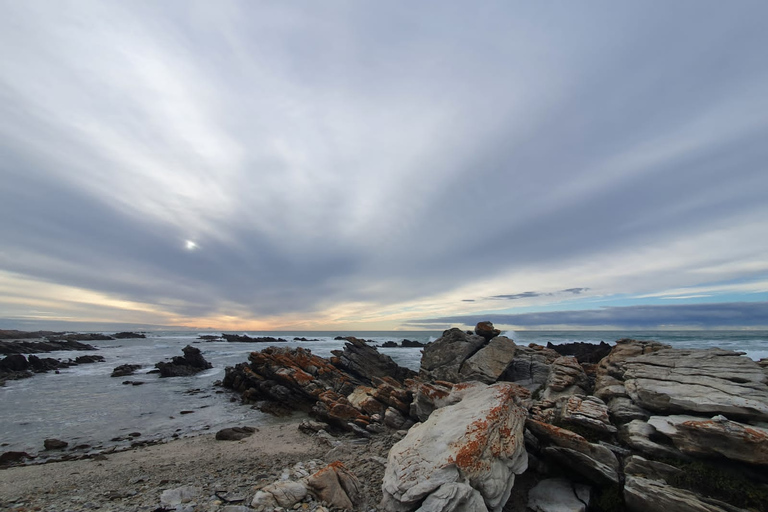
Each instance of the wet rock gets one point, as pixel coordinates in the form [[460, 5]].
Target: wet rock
[[718, 436], [89, 359], [191, 363], [234, 433], [486, 330], [558, 495], [236, 338], [125, 370], [490, 362], [8, 458], [128, 335], [37, 347], [476, 441], [412, 344], [442, 359], [55, 444]]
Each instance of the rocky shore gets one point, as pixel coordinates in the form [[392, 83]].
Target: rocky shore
[[485, 424]]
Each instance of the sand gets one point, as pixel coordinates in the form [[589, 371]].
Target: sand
[[134, 480]]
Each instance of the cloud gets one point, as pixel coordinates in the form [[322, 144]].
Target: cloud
[[349, 158], [735, 314]]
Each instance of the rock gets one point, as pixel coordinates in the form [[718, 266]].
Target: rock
[[643, 494], [393, 418], [622, 410], [191, 363], [531, 367], [490, 362], [362, 398], [389, 344], [589, 412], [638, 434], [310, 427], [454, 497], [640, 466], [234, 433], [55, 444], [286, 492], [476, 441], [14, 363], [125, 370], [442, 359], [179, 495], [486, 330], [412, 344], [8, 458], [336, 485], [566, 378], [427, 397], [37, 347], [593, 461], [366, 363], [558, 495], [718, 436], [128, 335], [236, 338], [584, 352], [263, 501], [89, 359]]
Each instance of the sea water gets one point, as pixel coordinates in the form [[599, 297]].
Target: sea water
[[83, 405]]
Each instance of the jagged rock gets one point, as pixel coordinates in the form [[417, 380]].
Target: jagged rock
[[362, 398], [486, 330], [643, 494], [412, 344], [640, 466], [389, 392], [128, 335], [244, 338], [558, 495], [89, 359], [595, 462], [125, 369], [584, 352], [531, 367], [622, 410], [478, 441], [427, 397], [393, 418], [191, 363], [712, 437], [55, 444], [490, 362], [638, 434], [234, 433], [336, 485], [566, 378], [286, 493], [310, 427], [454, 497], [442, 359], [589, 412], [366, 363], [37, 347]]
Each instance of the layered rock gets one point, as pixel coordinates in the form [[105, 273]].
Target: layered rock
[[442, 359], [464, 453], [366, 363], [489, 363]]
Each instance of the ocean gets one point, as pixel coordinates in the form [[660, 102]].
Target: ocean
[[83, 405]]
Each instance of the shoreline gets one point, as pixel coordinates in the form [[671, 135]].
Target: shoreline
[[134, 479]]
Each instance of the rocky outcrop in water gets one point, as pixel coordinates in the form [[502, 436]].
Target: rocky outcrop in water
[[129, 335], [191, 363], [244, 338], [17, 366]]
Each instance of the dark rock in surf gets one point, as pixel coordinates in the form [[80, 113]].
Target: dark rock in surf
[[55, 444], [191, 363], [238, 338], [128, 335], [125, 370], [234, 433]]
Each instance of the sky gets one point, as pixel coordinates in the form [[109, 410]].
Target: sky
[[248, 165]]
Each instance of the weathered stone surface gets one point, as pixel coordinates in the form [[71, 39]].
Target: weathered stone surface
[[717, 436], [558, 495], [179, 495], [366, 363], [643, 494], [638, 434], [589, 412], [362, 398], [191, 363], [454, 497], [336, 485], [595, 462], [427, 397], [566, 378], [640, 466], [583, 352], [490, 362], [55, 444], [125, 369], [531, 366], [442, 359], [622, 410], [286, 493], [478, 440], [486, 330]]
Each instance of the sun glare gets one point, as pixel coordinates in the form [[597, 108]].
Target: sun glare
[[190, 245]]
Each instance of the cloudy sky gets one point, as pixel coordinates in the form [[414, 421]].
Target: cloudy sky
[[381, 165]]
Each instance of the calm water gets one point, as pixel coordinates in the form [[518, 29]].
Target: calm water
[[84, 405]]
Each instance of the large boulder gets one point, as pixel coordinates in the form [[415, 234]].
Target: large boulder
[[558, 495], [191, 363], [530, 367], [566, 378], [490, 362], [366, 363], [486, 330], [442, 359], [477, 441], [718, 436]]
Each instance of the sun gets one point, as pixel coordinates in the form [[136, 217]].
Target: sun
[[190, 245]]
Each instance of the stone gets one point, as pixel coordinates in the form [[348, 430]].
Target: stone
[[584, 352], [393, 418], [55, 444], [640, 466], [589, 412], [427, 397], [8, 458], [286, 492], [531, 367], [490, 362], [486, 330], [594, 461], [234, 433], [442, 359], [263, 501], [622, 410], [125, 369], [336, 485], [718, 436], [478, 440], [362, 398], [566, 378], [644, 494], [454, 497], [366, 363], [179, 495], [191, 363], [637, 434], [558, 495]]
